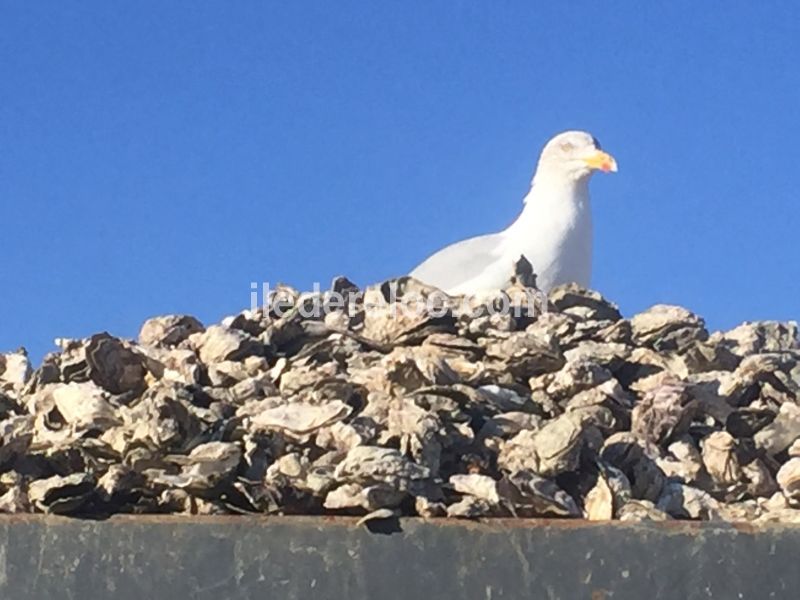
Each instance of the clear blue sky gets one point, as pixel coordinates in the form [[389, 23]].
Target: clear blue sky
[[157, 157]]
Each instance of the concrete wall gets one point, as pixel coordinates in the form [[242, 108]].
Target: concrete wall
[[173, 558]]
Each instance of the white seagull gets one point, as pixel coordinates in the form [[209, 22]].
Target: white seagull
[[554, 230]]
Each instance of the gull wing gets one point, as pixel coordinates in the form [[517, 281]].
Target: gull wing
[[460, 262]]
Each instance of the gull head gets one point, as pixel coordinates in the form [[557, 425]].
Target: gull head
[[575, 155]]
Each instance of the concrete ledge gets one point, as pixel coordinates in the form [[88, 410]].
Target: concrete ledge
[[218, 558]]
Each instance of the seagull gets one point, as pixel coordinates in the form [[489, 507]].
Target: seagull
[[554, 230]]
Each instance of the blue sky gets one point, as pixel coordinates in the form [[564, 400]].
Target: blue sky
[[157, 157]]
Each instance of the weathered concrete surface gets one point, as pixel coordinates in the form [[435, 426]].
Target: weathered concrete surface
[[173, 558]]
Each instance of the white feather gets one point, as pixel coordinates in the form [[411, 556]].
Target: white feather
[[554, 232]]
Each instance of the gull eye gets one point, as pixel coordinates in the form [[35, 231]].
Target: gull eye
[[567, 147]]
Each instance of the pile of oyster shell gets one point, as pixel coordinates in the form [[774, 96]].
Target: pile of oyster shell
[[455, 410]]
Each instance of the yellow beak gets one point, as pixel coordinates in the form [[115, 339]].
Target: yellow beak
[[603, 161]]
